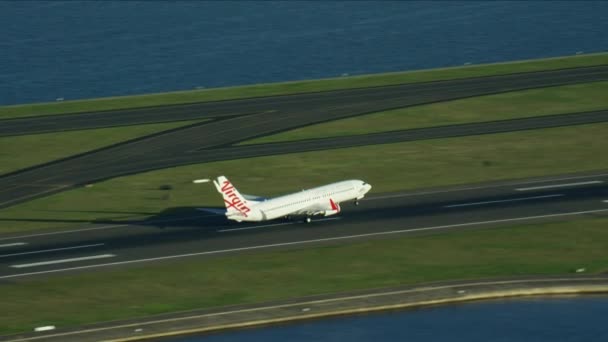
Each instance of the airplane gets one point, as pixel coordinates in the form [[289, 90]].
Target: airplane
[[324, 200]]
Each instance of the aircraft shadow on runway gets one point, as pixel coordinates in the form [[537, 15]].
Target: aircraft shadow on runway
[[369, 211], [168, 218], [194, 218]]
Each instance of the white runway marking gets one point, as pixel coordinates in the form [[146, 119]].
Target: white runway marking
[[273, 225], [337, 238], [502, 201], [51, 262], [15, 244], [559, 185], [51, 250]]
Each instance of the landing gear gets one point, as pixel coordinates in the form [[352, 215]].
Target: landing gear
[[308, 219], [356, 202]]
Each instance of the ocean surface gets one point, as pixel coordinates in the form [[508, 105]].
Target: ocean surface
[[74, 50], [571, 319]]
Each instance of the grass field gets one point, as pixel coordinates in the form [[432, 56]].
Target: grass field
[[42, 148], [299, 86], [539, 249], [426, 163], [511, 105], [69, 300]]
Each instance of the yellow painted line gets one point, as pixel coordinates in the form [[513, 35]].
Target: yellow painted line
[[552, 186], [519, 199]]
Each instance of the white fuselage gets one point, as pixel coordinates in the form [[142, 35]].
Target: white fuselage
[[323, 200]]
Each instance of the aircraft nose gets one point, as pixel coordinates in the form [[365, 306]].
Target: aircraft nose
[[367, 188]]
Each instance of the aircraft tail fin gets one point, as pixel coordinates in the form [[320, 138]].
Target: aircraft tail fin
[[236, 204]]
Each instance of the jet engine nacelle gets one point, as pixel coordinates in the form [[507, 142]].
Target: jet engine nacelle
[[333, 209], [331, 212]]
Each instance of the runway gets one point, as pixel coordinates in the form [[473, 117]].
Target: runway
[[196, 234], [239, 120]]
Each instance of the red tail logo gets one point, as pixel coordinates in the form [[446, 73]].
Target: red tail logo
[[234, 200]]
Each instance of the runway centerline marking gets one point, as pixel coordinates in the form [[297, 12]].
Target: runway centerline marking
[[292, 243], [559, 185], [51, 262], [273, 225], [502, 201], [14, 244], [51, 250]]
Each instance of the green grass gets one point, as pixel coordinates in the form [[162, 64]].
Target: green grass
[[389, 167], [28, 150], [109, 294], [511, 105], [299, 86]]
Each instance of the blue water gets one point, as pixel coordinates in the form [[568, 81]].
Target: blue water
[[90, 49], [521, 320]]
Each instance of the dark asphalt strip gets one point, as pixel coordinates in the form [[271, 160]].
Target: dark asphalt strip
[[424, 92], [471, 129]]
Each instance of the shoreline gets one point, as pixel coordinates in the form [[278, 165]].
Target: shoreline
[[322, 306], [256, 90]]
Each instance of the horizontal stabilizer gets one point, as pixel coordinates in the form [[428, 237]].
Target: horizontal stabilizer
[[254, 198], [216, 211]]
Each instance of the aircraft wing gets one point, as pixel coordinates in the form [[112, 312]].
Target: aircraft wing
[[314, 209]]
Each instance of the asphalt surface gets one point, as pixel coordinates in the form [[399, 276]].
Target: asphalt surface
[[197, 234], [478, 128], [240, 120]]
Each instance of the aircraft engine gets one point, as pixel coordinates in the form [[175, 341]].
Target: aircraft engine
[[331, 212]]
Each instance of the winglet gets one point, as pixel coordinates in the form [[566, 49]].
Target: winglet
[[334, 206]]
